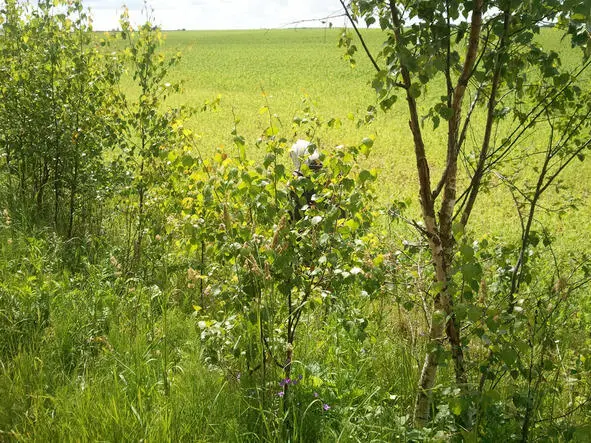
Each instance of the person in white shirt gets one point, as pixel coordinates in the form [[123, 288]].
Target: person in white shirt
[[303, 152]]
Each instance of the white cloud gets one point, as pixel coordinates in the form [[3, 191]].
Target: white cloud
[[217, 14]]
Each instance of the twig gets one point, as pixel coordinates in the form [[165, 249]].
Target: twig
[[566, 414], [323, 19], [373, 61]]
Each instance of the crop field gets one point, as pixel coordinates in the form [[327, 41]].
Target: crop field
[[280, 68]]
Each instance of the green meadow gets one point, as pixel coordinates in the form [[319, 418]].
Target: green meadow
[[280, 68]]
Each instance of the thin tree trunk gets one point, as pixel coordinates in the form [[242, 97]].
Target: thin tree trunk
[[429, 372], [202, 272], [73, 191], [10, 195], [56, 149], [449, 194], [56, 189], [441, 241], [137, 251], [41, 187], [287, 367]]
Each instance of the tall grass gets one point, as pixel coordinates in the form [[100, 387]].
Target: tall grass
[[87, 356]]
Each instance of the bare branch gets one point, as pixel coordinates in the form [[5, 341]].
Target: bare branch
[[565, 164], [308, 20], [529, 121], [518, 268], [567, 413]]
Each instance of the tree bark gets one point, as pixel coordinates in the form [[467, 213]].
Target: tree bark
[[441, 241]]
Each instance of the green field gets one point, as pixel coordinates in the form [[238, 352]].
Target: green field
[[291, 64], [286, 64]]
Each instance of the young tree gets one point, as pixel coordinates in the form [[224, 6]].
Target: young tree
[[146, 131], [487, 50], [54, 84]]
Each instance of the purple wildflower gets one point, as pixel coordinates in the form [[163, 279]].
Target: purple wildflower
[[315, 394], [281, 393], [325, 407]]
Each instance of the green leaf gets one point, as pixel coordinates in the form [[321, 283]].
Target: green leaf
[[279, 170], [534, 238], [415, 90], [367, 142], [271, 131], [365, 146], [408, 305], [467, 252], [352, 225], [334, 123], [269, 158], [461, 311], [492, 323], [472, 271], [407, 59], [455, 406], [457, 230], [445, 112], [509, 356], [474, 313], [365, 176], [436, 121], [388, 102], [187, 161]]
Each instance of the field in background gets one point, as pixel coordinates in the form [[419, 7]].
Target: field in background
[[290, 64]]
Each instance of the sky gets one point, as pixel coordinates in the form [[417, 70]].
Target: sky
[[219, 14]]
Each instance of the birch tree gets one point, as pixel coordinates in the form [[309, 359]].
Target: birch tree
[[491, 63]]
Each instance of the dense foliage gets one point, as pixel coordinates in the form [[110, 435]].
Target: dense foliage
[[484, 52], [152, 290]]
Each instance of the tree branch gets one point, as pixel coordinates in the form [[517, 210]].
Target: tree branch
[[518, 268], [492, 103], [450, 173], [367, 51], [415, 127], [461, 139], [523, 126]]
